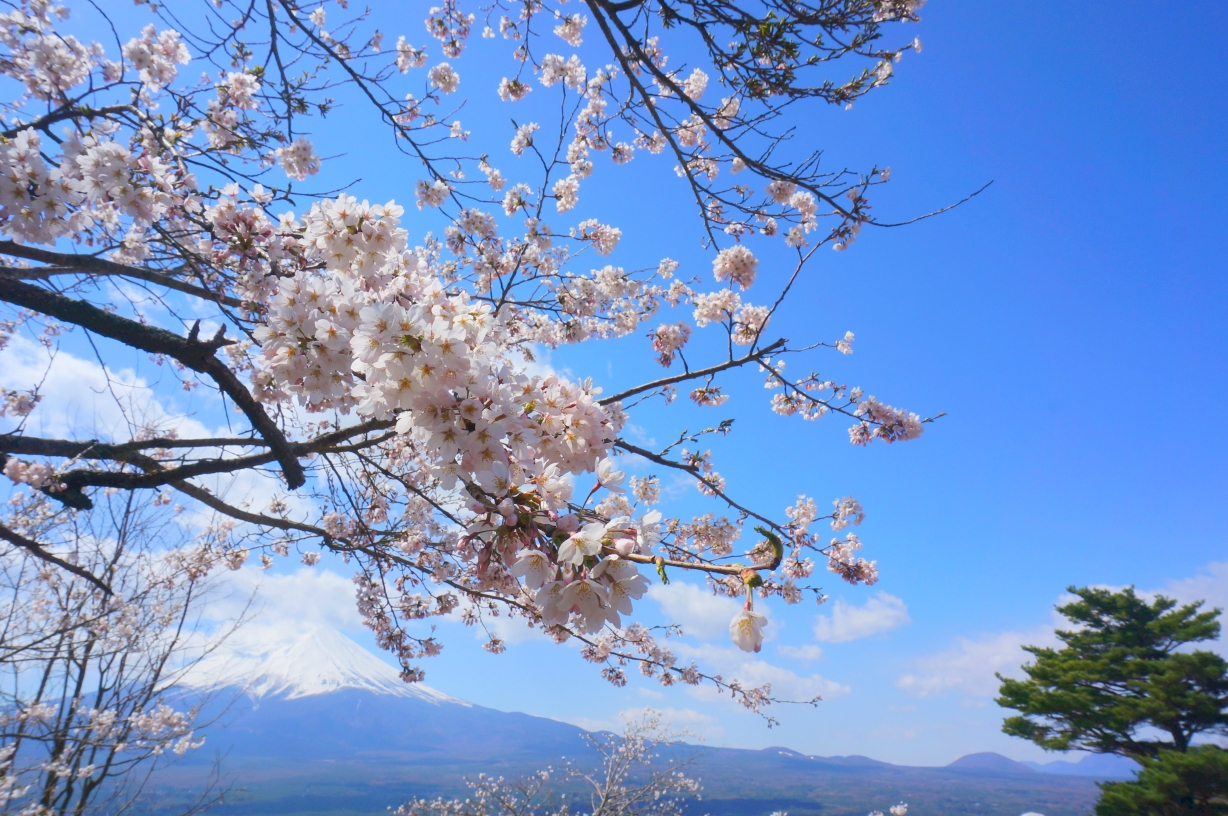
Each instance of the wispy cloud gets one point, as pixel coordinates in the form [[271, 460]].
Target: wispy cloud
[[1210, 586], [81, 397], [808, 653], [969, 667], [846, 622], [700, 613], [753, 670], [277, 608]]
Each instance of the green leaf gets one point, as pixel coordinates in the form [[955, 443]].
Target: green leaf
[[778, 547]]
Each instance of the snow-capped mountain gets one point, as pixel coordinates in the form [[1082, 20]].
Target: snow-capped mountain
[[316, 661], [282, 702], [313, 724]]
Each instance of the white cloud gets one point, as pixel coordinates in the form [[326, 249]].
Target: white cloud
[[511, 630], [686, 722], [1211, 586], [277, 607], [969, 667], [541, 365], [673, 717], [81, 398], [809, 653], [751, 670], [697, 610], [251, 612], [846, 622], [640, 436]]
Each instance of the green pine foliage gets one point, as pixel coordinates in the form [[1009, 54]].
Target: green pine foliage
[[1190, 783], [1122, 683], [1125, 682]]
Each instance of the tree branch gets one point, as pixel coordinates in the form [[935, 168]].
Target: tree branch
[[754, 356], [193, 353], [36, 549], [155, 474], [93, 449], [661, 460], [68, 262], [65, 113]]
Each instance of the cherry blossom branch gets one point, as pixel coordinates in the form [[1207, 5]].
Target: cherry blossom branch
[[694, 471], [94, 449], [155, 473], [66, 112], [700, 373], [260, 519], [947, 208]]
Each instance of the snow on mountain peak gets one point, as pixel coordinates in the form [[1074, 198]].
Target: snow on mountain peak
[[317, 661]]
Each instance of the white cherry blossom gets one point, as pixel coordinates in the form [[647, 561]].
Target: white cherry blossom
[[746, 630]]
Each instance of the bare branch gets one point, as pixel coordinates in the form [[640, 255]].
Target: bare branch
[[196, 355], [39, 552]]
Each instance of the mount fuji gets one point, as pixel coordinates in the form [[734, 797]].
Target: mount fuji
[[320, 698], [315, 725], [317, 661]]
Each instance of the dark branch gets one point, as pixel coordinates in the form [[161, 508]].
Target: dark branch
[[155, 474], [193, 353], [694, 471], [64, 114], [69, 263], [36, 549]]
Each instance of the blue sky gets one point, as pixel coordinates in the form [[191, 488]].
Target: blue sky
[[1070, 321]]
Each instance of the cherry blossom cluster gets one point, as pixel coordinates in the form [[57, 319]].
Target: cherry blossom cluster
[[375, 331], [46, 62], [97, 182], [35, 474], [18, 403]]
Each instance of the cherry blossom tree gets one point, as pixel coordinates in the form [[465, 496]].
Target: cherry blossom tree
[[632, 779], [376, 372], [645, 771], [89, 706]]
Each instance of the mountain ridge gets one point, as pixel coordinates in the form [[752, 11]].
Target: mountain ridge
[[318, 726], [319, 661]]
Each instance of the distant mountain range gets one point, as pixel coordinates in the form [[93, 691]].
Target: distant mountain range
[[322, 726], [1097, 766]]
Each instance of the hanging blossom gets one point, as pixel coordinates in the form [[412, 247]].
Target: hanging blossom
[[736, 264], [444, 77]]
